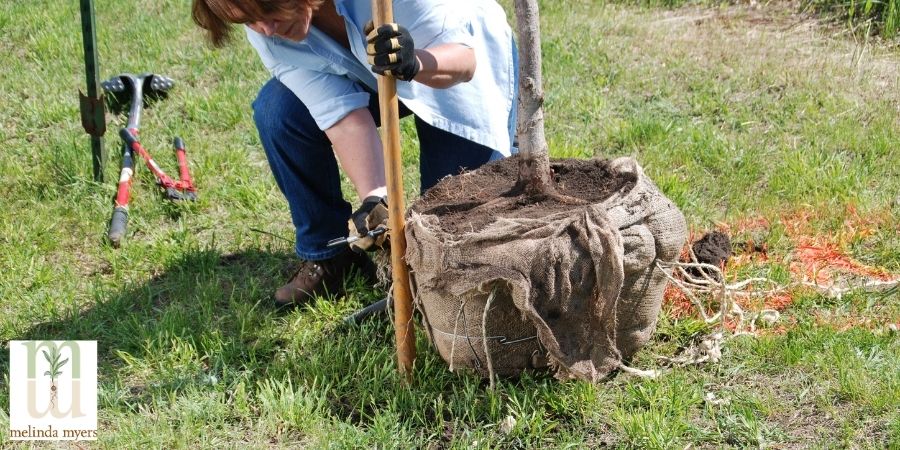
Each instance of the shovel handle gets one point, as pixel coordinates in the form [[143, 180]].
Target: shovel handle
[[404, 330]]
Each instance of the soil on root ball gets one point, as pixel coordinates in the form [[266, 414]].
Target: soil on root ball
[[457, 200]]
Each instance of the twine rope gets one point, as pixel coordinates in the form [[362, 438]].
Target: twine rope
[[487, 353]]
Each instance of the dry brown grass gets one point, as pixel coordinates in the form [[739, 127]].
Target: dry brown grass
[[758, 43]]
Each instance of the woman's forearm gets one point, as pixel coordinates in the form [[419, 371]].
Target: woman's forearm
[[357, 146], [445, 65], [355, 138]]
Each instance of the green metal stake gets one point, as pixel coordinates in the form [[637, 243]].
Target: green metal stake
[[93, 109]]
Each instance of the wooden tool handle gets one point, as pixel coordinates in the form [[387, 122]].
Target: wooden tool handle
[[404, 330]]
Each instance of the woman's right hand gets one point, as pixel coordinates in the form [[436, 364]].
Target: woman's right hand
[[369, 223]]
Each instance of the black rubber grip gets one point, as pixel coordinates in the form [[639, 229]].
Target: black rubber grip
[[179, 143], [117, 225]]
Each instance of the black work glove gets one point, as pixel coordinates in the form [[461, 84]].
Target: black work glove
[[392, 51], [371, 216]]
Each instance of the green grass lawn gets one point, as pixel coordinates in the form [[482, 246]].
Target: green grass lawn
[[735, 112]]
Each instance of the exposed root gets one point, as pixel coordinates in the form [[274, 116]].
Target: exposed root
[[723, 292], [383, 273], [638, 372], [837, 290], [708, 349], [519, 196], [536, 191], [712, 282], [497, 203], [567, 199]]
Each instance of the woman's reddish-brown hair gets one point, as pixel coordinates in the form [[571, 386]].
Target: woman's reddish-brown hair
[[217, 16]]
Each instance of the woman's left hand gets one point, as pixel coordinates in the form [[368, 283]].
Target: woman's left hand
[[392, 51]]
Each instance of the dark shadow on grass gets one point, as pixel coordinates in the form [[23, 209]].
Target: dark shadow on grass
[[221, 305], [197, 295]]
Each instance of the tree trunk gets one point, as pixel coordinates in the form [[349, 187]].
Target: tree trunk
[[534, 162]]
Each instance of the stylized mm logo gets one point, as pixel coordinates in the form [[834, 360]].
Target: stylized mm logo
[[52, 353], [52, 390]]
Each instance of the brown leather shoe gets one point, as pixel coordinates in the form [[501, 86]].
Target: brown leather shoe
[[316, 278]]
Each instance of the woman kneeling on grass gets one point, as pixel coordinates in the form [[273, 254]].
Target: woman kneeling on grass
[[456, 65]]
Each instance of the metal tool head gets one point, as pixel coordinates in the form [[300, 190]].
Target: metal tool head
[[148, 82], [176, 195], [154, 86], [117, 84], [156, 83], [121, 92], [128, 88]]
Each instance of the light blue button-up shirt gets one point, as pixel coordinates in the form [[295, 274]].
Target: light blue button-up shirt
[[327, 77]]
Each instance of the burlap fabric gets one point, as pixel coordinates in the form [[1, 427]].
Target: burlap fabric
[[578, 291]]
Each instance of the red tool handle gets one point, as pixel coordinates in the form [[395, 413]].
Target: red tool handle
[[119, 221], [183, 169], [132, 141]]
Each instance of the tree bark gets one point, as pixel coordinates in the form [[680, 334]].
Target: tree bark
[[534, 155]]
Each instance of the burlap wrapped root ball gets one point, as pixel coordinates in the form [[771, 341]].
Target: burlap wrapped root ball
[[573, 289]]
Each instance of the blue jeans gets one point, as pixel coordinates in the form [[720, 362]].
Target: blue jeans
[[306, 170]]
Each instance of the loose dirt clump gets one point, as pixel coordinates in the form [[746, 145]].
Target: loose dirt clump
[[713, 248], [464, 203]]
